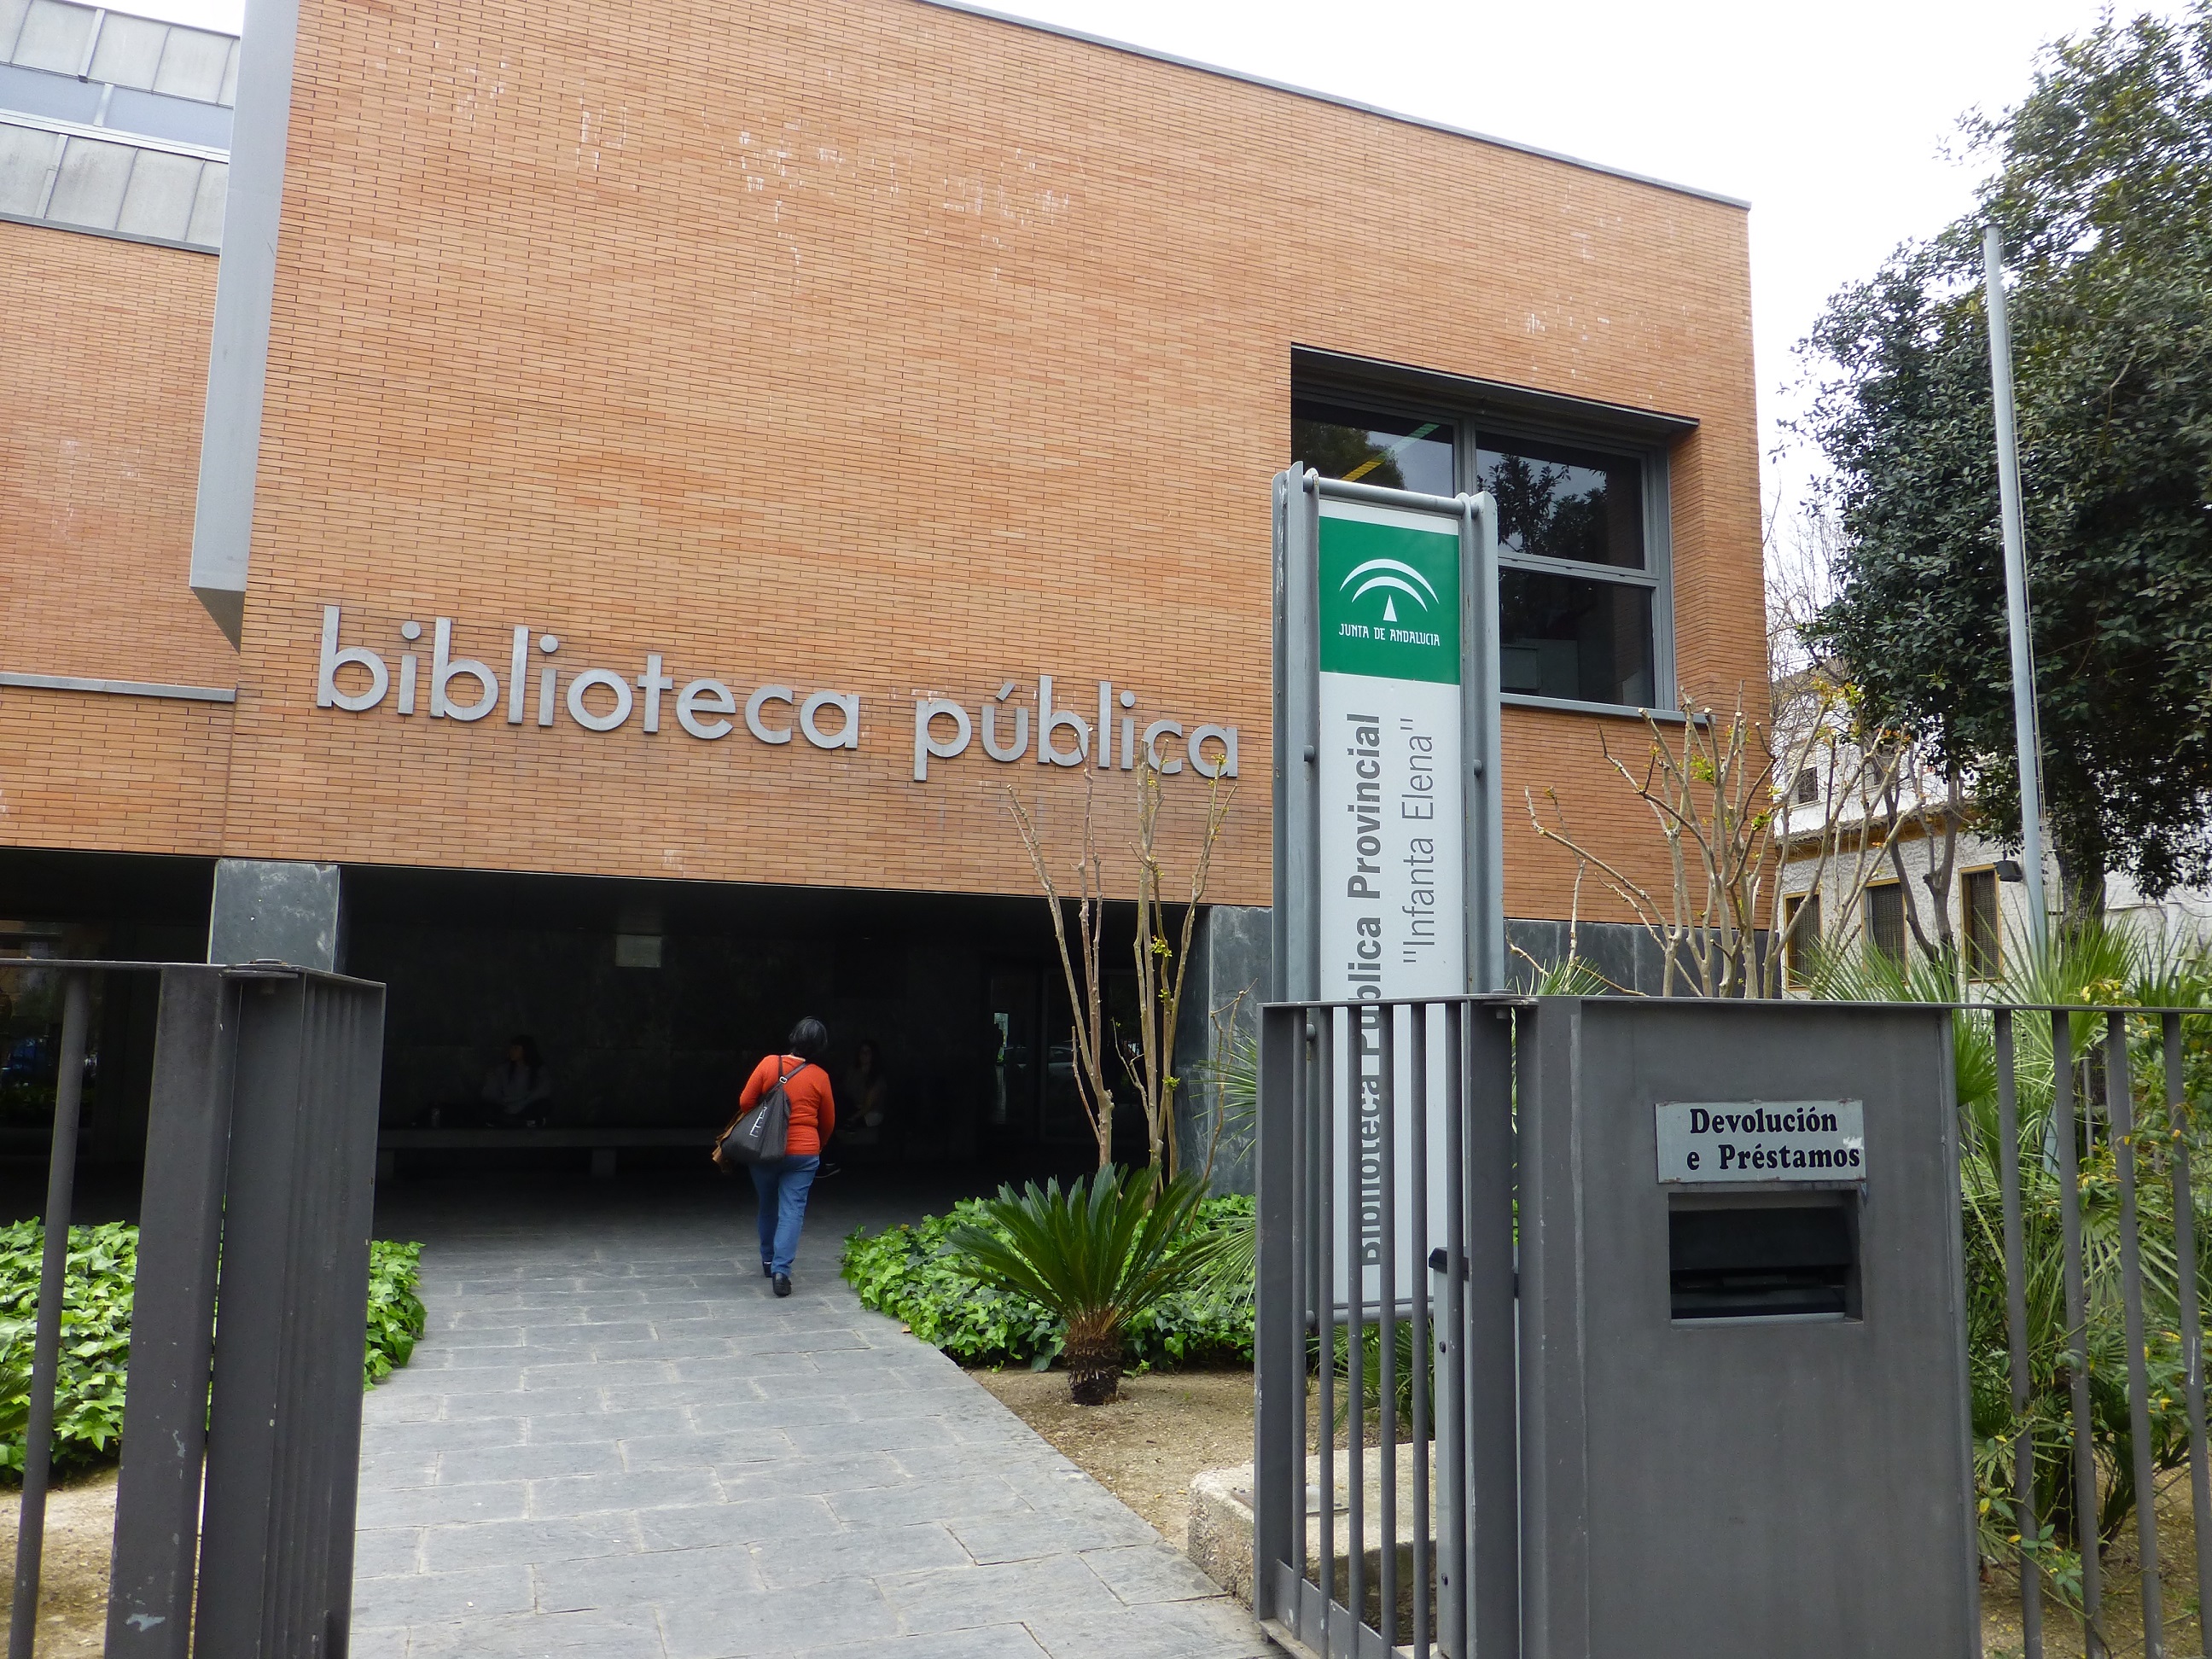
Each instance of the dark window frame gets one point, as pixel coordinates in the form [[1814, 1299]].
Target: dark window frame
[[1485, 410], [1982, 962], [1797, 944], [1904, 928]]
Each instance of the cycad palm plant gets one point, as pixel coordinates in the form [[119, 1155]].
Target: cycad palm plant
[[2100, 964], [1094, 1256]]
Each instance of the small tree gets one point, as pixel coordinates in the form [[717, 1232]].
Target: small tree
[[1161, 967], [1144, 1058], [1713, 805]]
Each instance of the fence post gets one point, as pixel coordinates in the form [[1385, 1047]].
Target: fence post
[[277, 1538], [157, 1500]]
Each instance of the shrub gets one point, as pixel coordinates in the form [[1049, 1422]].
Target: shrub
[[396, 1314], [909, 1273], [1094, 1256], [95, 1349]]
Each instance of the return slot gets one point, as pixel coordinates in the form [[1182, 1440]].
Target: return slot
[[1763, 1260]]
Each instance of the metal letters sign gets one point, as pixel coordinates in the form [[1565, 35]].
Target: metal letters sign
[[1389, 884], [1731, 1141]]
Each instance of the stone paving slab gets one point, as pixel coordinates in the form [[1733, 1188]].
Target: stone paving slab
[[614, 1441]]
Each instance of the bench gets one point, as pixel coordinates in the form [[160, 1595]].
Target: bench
[[604, 1141]]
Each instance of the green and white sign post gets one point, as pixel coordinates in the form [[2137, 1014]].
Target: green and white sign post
[[1389, 822]]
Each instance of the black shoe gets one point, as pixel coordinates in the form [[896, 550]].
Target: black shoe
[[767, 1272], [783, 1284]]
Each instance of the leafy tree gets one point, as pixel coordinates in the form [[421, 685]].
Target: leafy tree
[[2103, 188]]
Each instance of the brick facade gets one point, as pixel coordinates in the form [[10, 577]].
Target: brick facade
[[851, 345]]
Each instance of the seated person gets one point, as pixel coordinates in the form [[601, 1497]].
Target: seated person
[[867, 1091], [521, 1087]]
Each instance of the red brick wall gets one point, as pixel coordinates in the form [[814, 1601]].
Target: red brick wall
[[103, 369], [859, 343]]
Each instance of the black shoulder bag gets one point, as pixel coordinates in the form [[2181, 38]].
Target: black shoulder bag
[[755, 1136]]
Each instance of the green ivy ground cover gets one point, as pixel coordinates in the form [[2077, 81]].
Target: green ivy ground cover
[[96, 1334], [909, 1273]]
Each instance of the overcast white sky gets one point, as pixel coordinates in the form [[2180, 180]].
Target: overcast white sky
[[1827, 117]]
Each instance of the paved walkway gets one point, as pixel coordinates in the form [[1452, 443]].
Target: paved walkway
[[614, 1441]]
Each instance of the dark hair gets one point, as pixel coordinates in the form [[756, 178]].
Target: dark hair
[[530, 1062], [809, 1040]]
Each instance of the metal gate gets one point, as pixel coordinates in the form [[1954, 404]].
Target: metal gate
[[1445, 1570], [2060, 1219], [241, 1434]]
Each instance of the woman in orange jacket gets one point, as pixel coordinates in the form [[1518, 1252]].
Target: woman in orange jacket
[[784, 1183]]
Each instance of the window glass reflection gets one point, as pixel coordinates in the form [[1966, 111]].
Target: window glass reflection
[[1561, 503], [1362, 446], [1563, 637]]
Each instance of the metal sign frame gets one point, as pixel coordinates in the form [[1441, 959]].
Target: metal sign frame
[[1299, 493]]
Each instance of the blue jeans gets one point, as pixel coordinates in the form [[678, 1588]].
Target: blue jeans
[[782, 1183]]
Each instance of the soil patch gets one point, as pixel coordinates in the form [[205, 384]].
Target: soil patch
[[1147, 1447], [80, 1537]]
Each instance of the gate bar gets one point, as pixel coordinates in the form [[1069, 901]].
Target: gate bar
[[1325, 1317], [1457, 1613], [2179, 1125], [2077, 1327], [1424, 1360], [1355, 1331], [45, 1354], [1291, 1359], [2015, 1258], [1386, 1604], [2119, 1104]]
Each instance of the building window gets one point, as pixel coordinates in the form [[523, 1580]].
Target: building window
[[1884, 919], [1391, 451], [1978, 900], [1808, 787], [1801, 937], [1581, 609]]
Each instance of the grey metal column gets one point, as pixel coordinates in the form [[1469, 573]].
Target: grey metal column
[[348, 1080], [1481, 738], [1296, 945], [157, 1506], [45, 1354], [285, 1424]]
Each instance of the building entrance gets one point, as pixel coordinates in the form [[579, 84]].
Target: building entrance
[[636, 1009], [633, 1010]]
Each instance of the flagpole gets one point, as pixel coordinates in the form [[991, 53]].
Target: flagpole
[[2025, 735]]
